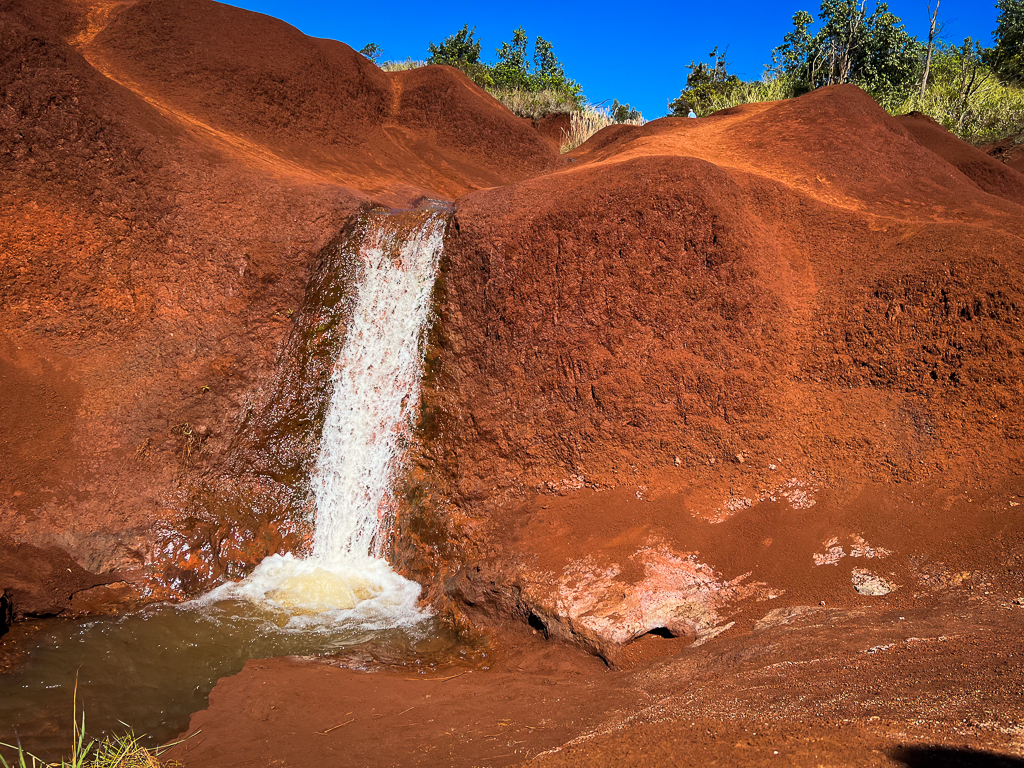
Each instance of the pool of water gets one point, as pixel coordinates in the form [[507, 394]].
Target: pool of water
[[152, 669]]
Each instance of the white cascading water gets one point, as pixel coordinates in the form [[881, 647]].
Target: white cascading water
[[376, 387]]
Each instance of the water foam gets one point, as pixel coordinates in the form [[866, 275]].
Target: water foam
[[376, 386]]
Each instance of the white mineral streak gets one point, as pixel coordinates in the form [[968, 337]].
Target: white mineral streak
[[858, 547], [798, 493], [677, 592], [376, 390]]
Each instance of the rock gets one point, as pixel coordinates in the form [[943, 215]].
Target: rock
[[867, 583], [603, 604], [103, 599], [1018, 601], [707, 635]]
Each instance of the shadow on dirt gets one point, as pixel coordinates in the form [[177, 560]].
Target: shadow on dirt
[[924, 756]]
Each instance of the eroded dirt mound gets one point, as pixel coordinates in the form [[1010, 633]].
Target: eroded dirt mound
[[995, 176], [1008, 151], [246, 72], [745, 309], [246, 79]]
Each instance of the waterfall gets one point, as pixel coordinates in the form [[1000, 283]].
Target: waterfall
[[373, 407], [376, 390]]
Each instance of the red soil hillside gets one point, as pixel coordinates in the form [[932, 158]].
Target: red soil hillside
[[1008, 151], [764, 315], [997, 178], [249, 79], [163, 198]]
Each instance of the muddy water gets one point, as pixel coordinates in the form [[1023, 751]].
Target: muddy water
[[154, 668]]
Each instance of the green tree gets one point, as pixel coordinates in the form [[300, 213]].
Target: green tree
[[514, 72], [456, 49], [933, 29], [851, 46], [704, 84], [797, 57], [889, 63], [623, 113], [545, 64], [512, 69], [1007, 56], [372, 51]]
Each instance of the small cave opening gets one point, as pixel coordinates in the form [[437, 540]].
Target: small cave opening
[[660, 632]]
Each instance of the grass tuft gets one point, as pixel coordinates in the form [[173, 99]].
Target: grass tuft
[[586, 123], [401, 66], [123, 751]]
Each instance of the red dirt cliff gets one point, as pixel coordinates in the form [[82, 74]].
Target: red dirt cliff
[[167, 184]]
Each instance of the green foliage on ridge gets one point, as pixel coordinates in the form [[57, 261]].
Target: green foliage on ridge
[[872, 50], [454, 50], [530, 86], [1006, 57], [975, 92], [706, 86]]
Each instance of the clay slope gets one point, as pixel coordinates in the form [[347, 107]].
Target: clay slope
[[170, 172], [796, 321], [248, 79], [997, 178]]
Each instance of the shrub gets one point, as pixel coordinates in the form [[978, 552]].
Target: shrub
[[623, 113], [706, 85], [588, 121], [514, 75], [372, 51], [967, 97], [456, 49]]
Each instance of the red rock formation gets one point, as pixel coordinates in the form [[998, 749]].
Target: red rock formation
[[729, 317], [727, 345], [170, 171]]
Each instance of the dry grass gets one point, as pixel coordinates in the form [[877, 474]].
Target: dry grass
[[585, 124], [535, 104], [401, 66], [993, 112], [769, 89]]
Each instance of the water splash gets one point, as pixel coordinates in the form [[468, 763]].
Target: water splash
[[376, 387]]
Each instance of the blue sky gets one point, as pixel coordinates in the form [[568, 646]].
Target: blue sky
[[633, 53]]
